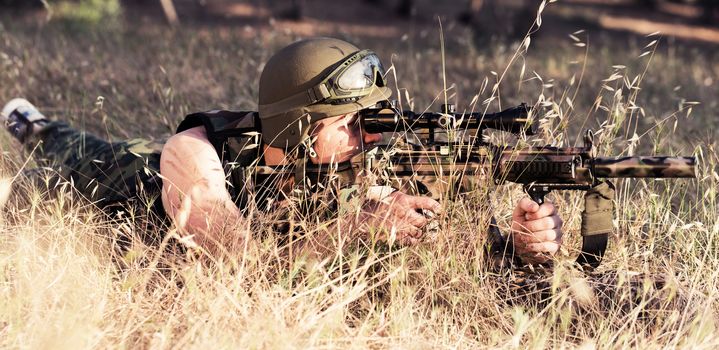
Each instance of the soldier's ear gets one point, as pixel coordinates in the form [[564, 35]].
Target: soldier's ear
[[315, 128]]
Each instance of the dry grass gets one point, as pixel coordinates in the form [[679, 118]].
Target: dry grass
[[64, 283]]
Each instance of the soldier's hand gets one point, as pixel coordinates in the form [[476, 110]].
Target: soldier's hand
[[399, 217], [536, 230]]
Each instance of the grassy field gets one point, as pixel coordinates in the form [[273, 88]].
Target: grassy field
[[63, 283]]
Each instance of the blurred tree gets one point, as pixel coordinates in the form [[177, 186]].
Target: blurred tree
[[295, 10], [648, 4], [510, 19], [168, 7], [471, 11], [710, 11], [82, 12], [709, 8], [21, 3]]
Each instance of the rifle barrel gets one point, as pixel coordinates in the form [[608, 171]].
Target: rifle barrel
[[657, 166]]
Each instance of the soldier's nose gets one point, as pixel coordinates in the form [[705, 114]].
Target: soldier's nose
[[372, 138]]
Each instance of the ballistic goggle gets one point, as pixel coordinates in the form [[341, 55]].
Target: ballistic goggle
[[352, 79]]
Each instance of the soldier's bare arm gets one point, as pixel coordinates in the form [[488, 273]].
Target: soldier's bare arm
[[194, 193], [394, 216], [536, 230]]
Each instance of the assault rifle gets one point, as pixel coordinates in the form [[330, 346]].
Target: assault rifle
[[452, 145]]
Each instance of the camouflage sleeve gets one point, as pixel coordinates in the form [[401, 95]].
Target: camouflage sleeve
[[103, 172]]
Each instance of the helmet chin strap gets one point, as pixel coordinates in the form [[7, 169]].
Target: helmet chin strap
[[322, 176], [308, 175], [317, 177]]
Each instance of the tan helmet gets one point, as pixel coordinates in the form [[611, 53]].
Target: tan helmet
[[314, 79]]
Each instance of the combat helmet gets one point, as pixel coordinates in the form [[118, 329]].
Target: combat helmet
[[313, 79]]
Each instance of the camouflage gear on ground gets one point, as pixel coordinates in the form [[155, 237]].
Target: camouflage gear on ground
[[108, 174]]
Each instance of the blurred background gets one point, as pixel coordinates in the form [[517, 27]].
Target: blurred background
[[103, 62], [690, 19]]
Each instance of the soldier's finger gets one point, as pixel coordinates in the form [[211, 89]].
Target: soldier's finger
[[543, 247], [525, 205], [548, 236], [426, 203], [546, 223], [409, 241], [546, 209], [416, 232], [538, 237], [414, 218], [522, 238], [409, 236]]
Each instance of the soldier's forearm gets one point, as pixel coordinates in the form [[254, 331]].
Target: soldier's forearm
[[215, 226]]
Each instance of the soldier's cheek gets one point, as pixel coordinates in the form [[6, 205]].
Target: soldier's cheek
[[352, 142]]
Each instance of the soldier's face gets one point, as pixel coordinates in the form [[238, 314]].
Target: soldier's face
[[338, 139]]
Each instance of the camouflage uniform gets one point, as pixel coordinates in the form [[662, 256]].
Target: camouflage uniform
[[118, 175], [127, 172], [108, 174]]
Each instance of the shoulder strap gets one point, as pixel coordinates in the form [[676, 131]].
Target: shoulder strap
[[221, 125]]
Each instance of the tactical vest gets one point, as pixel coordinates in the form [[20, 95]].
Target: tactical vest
[[236, 138]]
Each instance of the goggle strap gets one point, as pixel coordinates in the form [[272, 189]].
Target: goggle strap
[[311, 96], [318, 93]]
